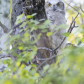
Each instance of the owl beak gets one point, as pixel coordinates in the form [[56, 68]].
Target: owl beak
[[54, 8]]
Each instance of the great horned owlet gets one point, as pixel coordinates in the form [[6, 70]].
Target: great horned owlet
[[55, 12]]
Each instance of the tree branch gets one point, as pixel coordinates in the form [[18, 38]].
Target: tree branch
[[45, 60], [72, 25], [44, 48], [4, 56], [81, 9], [5, 29]]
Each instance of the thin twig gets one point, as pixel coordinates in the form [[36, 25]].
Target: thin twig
[[0, 49], [4, 56], [71, 25], [40, 59], [45, 61], [70, 28], [18, 25], [81, 9], [5, 29], [44, 48], [77, 10], [71, 6]]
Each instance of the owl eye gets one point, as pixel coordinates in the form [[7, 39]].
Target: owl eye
[[58, 4], [49, 5]]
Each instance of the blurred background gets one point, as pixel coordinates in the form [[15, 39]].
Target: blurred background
[[5, 8], [4, 18], [4, 11], [72, 8]]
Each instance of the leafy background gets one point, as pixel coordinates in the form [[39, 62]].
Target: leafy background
[[70, 70]]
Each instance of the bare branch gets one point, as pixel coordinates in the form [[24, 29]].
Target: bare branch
[[45, 60], [71, 6], [77, 10], [0, 49], [18, 25], [5, 29], [4, 56], [41, 48], [72, 25], [73, 22], [81, 9], [44, 48]]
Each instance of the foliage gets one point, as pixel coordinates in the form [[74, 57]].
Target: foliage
[[68, 68]]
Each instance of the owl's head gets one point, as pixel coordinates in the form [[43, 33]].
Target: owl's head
[[55, 5]]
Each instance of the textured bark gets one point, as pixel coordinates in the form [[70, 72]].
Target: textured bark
[[38, 7], [16, 10]]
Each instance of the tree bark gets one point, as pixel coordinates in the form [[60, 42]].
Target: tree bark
[[38, 7]]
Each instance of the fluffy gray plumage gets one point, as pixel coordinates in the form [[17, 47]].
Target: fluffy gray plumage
[[55, 12]]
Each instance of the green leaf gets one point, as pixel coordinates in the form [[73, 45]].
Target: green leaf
[[1, 51], [44, 30], [83, 40], [41, 19], [26, 34], [34, 14], [19, 17], [77, 39], [47, 22], [20, 47], [17, 22], [8, 82], [46, 67], [62, 26], [21, 30], [33, 53], [23, 24], [29, 16], [39, 35], [34, 48], [41, 26], [33, 21], [49, 34], [66, 34]]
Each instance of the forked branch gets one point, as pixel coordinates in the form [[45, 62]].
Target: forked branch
[[72, 25]]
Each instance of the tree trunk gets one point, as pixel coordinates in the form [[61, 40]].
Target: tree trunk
[[38, 7]]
